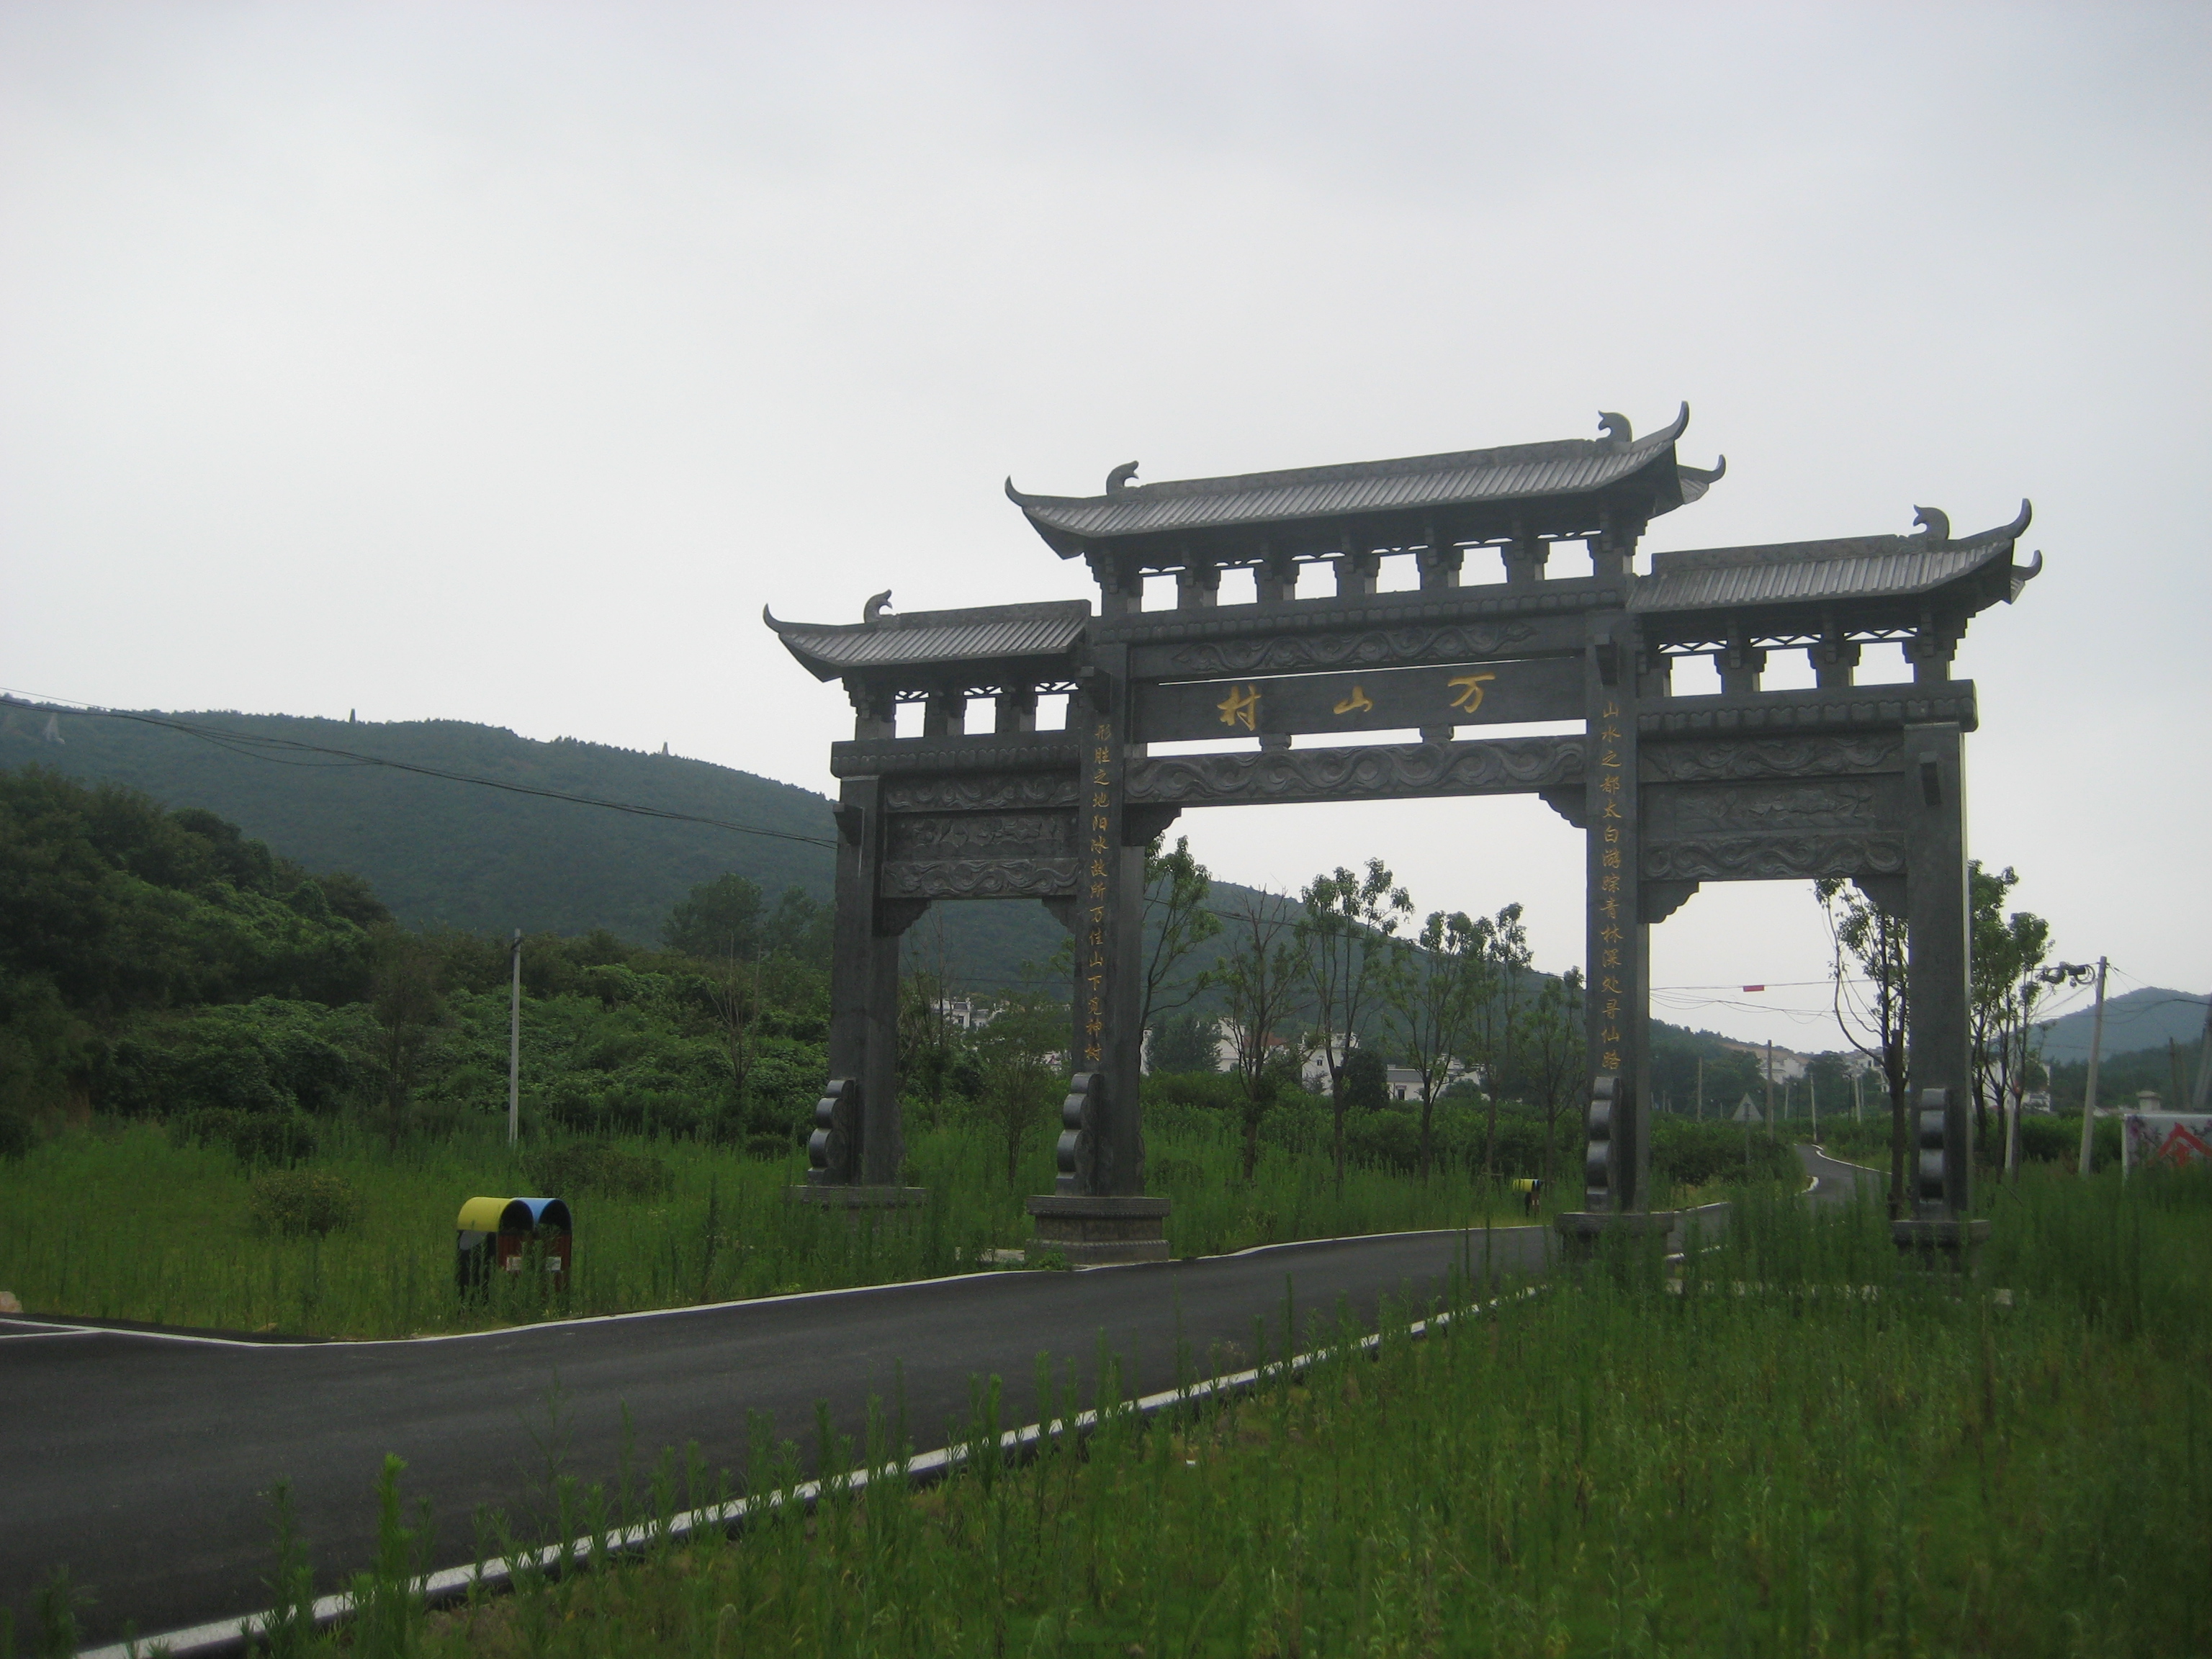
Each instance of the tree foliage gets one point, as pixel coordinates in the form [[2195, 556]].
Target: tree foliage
[[1343, 938], [1875, 944], [1176, 923], [2007, 951]]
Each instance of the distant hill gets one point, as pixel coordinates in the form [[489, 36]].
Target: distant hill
[[459, 855], [2139, 1019]]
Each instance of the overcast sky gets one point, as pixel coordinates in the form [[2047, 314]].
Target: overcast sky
[[498, 363]]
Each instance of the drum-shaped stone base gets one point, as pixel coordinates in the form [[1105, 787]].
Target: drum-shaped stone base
[[861, 1197], [1581, 1230], [1948, 1234], [1094, 1232]]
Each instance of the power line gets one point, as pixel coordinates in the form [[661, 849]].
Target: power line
[[254, 746]]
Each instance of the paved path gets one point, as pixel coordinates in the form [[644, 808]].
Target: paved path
[[1834, 1181], [140, 1459]]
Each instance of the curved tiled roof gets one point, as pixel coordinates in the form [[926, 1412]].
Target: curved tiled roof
[[997, 633], [1859, 566], [1415, 484]]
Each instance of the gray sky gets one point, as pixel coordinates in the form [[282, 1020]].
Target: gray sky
[[498, 363]]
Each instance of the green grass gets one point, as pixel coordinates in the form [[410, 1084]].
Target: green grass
[[1807, 1446], [115, 1222]]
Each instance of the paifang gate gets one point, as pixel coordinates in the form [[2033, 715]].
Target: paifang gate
[[1863, 782]]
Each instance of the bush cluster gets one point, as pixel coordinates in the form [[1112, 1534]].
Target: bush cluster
[[609, 1171], [282, 1138], [297, 1201]]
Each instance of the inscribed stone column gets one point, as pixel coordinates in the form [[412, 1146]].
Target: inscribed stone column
[[1110, 1040], [858, 1026], [1617, 1009], [1938, 1045]]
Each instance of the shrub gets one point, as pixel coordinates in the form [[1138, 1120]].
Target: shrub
[[1695, 1153], [565, 1171], [279, 1138], [15, 1135], [302, 1201], [284, 1138]]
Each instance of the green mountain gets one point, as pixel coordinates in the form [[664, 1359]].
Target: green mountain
[[2137, 1021], [446, 853]]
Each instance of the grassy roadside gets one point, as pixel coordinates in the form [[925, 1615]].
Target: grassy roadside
[[1807, 1446], [117, 1222]]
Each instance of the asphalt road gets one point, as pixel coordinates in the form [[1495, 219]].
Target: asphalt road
[[1834, 1181], [141, 1460]]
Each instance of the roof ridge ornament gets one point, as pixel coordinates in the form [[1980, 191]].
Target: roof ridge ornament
[[871, 613], [1618, 433], [1118, 479], [1935, 524]]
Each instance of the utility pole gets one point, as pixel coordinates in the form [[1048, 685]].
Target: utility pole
[[1855, 1076], [1769, 1085], [1813, 1098], [2089, 1089], [2204, 1059], [514, 1043], [1701, 1084]]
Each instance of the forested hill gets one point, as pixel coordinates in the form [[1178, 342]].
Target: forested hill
[[485, 860]]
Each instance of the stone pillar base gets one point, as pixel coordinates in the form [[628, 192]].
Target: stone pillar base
[[1950, 1234], [1091, 1232], [859, 1197], [1581, 1230]]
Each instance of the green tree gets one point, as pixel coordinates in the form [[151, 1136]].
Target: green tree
[[403, 996], [1178, 922], [1343, 938], [1499, 968], [1366, 1080], [1873, 1018], [798, 928], [1430, 1004], [1551, 1055], [1014, 1050], [2007, 951], [1186, 1042], [719, 918], [1259, 976]]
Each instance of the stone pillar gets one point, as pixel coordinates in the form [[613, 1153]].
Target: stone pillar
[[944, 714], [1016, 710], [1275, 577], [1198, 587], [1120, 584], [1741, 665], [1835, 663], [1355, 570], [863, 1145], [1939, 1048], [1618, 1011], [1110, 941], [1097, 1212], [1440, 562], [1930, 651], [1525, 557]]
